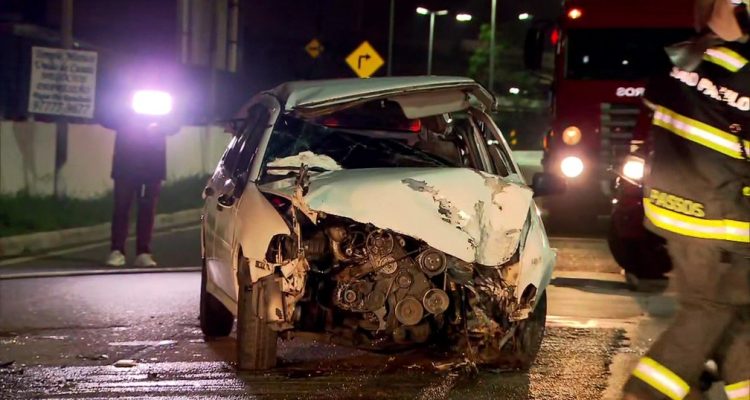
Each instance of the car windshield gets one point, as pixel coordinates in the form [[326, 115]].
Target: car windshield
[[619, 54], [295, 141]]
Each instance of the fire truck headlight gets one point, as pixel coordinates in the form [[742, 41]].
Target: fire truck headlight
[[633, 168], [152, 102], [571, 135], [571, 166]]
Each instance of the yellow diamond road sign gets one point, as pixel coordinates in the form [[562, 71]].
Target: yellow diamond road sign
[[364, 61], [314, 48]]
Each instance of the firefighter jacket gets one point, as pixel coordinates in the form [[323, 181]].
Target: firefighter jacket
[[697, 181]]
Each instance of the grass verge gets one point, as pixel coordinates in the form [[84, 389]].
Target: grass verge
[[21, 213]]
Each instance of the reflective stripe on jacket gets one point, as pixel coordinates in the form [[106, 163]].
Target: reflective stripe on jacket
[[698, 169]]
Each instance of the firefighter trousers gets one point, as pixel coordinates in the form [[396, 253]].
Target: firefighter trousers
[[712, 322]]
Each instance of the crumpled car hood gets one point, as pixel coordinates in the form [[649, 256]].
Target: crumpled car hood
[[470, 215]]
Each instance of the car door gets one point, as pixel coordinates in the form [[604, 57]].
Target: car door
[[225, 189]]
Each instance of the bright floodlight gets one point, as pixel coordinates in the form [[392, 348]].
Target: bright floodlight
[[514, 90], [422, 11], [152, 102], [571, 167], [633, 168], [524, 16], [463, 17], [442, 12]]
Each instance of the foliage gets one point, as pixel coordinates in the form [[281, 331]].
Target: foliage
[[22, 213]]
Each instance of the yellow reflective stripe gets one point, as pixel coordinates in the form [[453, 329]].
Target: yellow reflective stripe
[[726, 58], [725, 229], [661, 379], [699, 132], [738, 391]]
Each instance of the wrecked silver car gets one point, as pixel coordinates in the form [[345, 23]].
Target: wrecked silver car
[[380, 213]]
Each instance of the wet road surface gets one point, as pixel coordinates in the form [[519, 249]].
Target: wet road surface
[[65, 336]]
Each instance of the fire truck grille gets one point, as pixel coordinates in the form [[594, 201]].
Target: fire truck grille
[[617, 128]]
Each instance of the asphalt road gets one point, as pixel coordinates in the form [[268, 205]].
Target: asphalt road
[[64, 336], [67, 337]]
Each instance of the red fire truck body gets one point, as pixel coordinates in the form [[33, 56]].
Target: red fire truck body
[[604, 52]]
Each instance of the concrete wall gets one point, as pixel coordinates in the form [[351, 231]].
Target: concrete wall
[[27, 157]]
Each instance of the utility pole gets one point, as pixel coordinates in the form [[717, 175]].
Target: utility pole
[[431, 42], [493, 29], [391, 23], [61, 139]]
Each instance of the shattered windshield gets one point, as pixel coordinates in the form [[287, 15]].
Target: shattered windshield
[[295, 141]]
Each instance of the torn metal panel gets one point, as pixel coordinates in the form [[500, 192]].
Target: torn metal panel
[[308, 158], [475, 217]]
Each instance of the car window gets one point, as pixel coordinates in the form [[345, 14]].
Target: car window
[[500, 158], [242, 148]]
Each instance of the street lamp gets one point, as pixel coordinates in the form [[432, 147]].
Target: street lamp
[[462, 17], [524, 16], [432, 14]]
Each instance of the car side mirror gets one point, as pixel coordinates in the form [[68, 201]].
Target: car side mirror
[[545, 184]]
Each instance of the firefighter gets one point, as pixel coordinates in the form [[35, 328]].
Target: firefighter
[[697, 195]]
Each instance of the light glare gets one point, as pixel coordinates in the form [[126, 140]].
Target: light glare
[[441, 12], [633, 169], [152, 102], [575, 13], [523, 16], [571, 166], [463, 17], [422, 11], [514, 90]]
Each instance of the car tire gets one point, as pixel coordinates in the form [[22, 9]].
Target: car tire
[[645, 258], [215, 319], [528, 337], [256, 341]]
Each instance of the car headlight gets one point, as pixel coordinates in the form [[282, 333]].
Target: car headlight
[[571, 135], [152, 102], [571, 166], [633, 168]]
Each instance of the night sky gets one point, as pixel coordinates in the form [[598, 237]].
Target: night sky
[[276, 31]]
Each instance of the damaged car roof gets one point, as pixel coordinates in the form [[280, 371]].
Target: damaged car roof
[[323, 93]]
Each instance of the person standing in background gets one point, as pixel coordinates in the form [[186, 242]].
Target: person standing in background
[[143, 114]]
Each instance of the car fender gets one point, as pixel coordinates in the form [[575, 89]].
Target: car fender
[[257, 223], [536, 263]]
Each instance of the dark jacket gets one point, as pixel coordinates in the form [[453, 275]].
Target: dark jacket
[[140, 147], [697, 182]]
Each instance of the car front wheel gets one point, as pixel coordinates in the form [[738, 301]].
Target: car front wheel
[[256, 342]]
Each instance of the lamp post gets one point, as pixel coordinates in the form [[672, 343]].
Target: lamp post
[[432, 14], [391, 23], [493, 27], [463, 17]]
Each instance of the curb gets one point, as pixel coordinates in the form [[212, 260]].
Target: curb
[[111, 271], [35, 243]]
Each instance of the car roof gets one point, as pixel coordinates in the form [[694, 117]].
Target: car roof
[[323, 93]]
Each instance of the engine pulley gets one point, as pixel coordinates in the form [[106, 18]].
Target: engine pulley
[[409, 311], [436, 301], [432, 262]]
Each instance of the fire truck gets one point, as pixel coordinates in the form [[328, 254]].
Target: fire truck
[[604, 52]]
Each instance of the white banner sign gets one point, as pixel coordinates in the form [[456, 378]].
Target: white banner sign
[[63, 82]]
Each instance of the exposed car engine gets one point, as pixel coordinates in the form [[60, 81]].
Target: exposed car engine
[[377, 288]]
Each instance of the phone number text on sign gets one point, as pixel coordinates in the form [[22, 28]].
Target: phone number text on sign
[[63, 82]]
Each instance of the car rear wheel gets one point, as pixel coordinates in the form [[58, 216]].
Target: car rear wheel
[[215, 319], [256, 342]]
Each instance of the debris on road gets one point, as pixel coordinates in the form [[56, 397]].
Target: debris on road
[[92, 357], [125, 364]]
